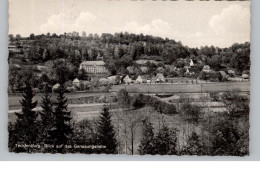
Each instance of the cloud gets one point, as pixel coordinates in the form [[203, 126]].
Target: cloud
[[61, 23], [156, 27], [233, 21], [231, 25]]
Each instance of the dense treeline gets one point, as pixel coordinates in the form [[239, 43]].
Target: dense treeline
[[223, 133], [120, 51]]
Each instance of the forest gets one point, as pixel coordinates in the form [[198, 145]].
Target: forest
[[119, 51]]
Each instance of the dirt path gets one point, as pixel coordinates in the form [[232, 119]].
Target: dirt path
[[69, 106]]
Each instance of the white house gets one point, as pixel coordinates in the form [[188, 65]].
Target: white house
[[139, 80], [191, 63], [127, 79], [76, 82], [245, 76], [160, 77], [206, 68], [187, 71]]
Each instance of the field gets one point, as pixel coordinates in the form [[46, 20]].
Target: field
[[86, 110], [14, 103], [78, 111], [183, 88], [170, 93]]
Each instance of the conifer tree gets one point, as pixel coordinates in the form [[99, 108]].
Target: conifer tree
[[62, 129], [47, 117], [162, 141], [105, 132], [165, 141], [147, 142], [26, 129], [194, 146]]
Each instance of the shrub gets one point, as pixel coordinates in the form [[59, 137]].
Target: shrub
[[138, 101], [191, 112]]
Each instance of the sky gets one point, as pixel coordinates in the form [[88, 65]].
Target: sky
[[194, 23]]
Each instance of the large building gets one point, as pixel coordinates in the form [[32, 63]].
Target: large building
[[96, 67]]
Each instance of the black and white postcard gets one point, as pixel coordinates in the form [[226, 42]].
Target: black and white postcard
[[129, 77]]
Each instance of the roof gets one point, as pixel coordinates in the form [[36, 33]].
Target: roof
[[76, 80], [206, 67], [159, 75], [56, 86], [191, 63], [144, 78], [126, 77], [92, 63]]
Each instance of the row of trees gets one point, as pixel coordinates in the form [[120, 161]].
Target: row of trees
[[52, 129], [202, 132], [121, 50], [163, 143]]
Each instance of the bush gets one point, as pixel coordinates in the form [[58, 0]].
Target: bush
[[227, 140], [191, 112], [169, 108], [160, 106], [138, 101]]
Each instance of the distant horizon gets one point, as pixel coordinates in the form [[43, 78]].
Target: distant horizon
[[80, 35]]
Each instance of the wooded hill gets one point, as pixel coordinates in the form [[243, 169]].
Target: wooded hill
[[121, 50]]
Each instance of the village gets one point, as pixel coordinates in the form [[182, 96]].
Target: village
[[97, 68]]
